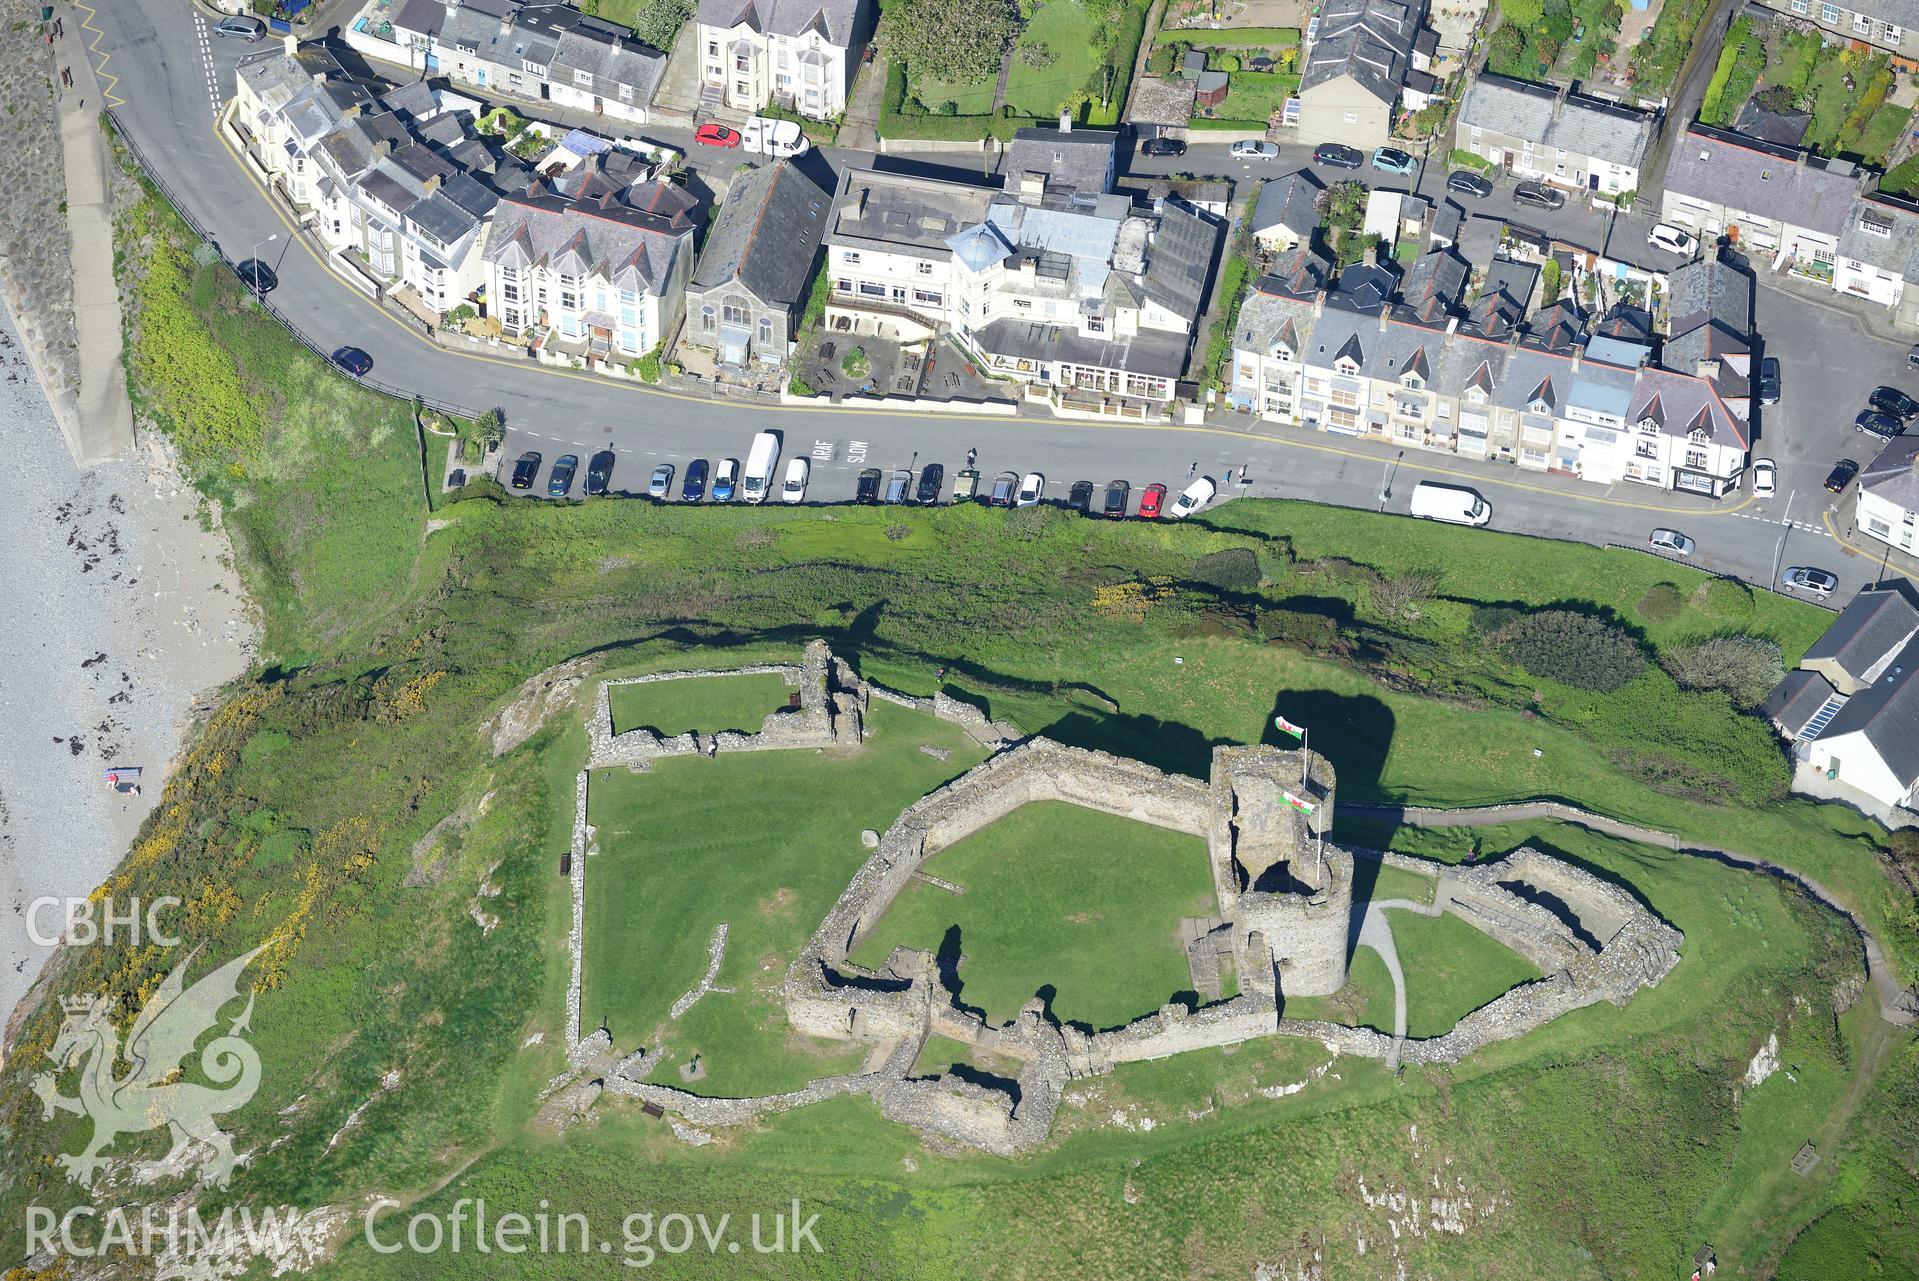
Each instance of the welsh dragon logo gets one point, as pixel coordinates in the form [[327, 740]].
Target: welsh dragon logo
[[149, 1094]]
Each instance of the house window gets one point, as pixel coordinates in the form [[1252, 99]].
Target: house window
[[929, 297], [923, 268], [712, 48], [706, 320], [626, 93], [851, 255], [872, 289], [1862, 24], [843, 285], [1646, 449], [584, 79], [1829, 13], [766, 330], [1894, 35], [1801, 6], [899, 293], [1696, 459], [733, 314]]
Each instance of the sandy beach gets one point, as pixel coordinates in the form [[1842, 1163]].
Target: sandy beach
[[121, 611]]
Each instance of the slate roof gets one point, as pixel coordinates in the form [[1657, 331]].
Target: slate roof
[[612, 57], [1178, 259], [1433, 287], [1887, 713], [901, 213], [1151, 351], [1369, 40], [837, 20], [1796, 700], [1872, 624], [1884, 233], [1268, 318], [1157, 100], [1076, 160], [1288, 202], [766, 235], [1683, 404], [1780, 183], [1582, 125], [1300, 272], [629, 234], [1364, 287], [1894, 474]]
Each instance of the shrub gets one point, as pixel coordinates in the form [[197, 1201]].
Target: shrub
[[1401, 595], [1487, 620], [1234, 569], [1314, 633], [1573, 648], [1745, 667], [1661, 603], [1726, 599]]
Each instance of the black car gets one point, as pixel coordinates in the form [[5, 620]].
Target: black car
[[693, 487], [1873, 423], [1464, 182], [868, 490], [1890, 400], [1841, 475], [599, 473], [1080, 497], [560, 479], [1338, 155], [932, 477], [353, 360], [1162, 147], [526, 469], [1117, 492], [1537, 195], [1769, 381], [257, 276]]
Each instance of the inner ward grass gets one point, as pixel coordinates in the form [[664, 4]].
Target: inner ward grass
[[1062, 898], [1451, 969], [702, 704]]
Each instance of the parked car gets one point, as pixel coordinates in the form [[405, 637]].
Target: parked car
[[660, 484], [932, 478], [693, 486], [1005, 485], [1454, 504], [1150, 500], [726, 478], [1769, 381], [1338, 155], [1765, 478], [965, 486], [243, 28], [560, 479], [1392, 160], [257, 276], [1162, 147], [1912, 356], [1874, 423], [353, 360], [1890, 400], [1537, 195], [1674, 240], [713, 135], [1464, 182], [1032, 488], [525, 469], [793, 489], [1080, 497], [599, 473], [1841, 475], [1192, 498], [1813, 582], [1254, 149], [1671, 540], [867, 489], [1117, 492], [899, 486]]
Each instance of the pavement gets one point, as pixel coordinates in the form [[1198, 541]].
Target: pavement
[[163, 69]]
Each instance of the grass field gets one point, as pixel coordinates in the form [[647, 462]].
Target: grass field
[[1451, 970], [1058, 898], [1066, 54], [706, 704]]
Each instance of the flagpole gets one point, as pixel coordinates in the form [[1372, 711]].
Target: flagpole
[[1304, 732]]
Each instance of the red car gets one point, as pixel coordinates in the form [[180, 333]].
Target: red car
[[1149, 500], [717, 136]]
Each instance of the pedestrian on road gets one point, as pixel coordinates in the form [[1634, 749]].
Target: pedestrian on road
[[1192, 469]]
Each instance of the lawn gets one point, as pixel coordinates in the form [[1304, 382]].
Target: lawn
[[1065, 55], [1365, 1001], [750, 839], [1062, 898], [1785, 69], [704, 704], [1451, 969], [1256, 95]]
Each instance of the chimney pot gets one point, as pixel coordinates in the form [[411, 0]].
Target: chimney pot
[[1065, 121]]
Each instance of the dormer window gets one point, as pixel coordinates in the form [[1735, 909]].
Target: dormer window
[[1476, 395], [1648, 427], [1413, 382], [1698, 436]]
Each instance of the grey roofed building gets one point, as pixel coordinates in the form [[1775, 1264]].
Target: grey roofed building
[[1152, 352], [1885, 233], [1887, 714], [836, 20], [1179, 258], [1289, 202], [1710, 304], [1681, 404], [1781, 183], [1894, 473], [766, 235], [1270, 317], [1448, 220], [1433, 288], [1626, 322], [893, 212], [1795, 700], [611, 58], [1875, 622], [1575, 123], [1208, 195], [1369, 40], [1300, 272], [1161, 101], [1364, 287], [1559, 327], [629, 234], [1069, 159], [1479, 239]]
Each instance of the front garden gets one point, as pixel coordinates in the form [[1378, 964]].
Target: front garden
[[1261, 65]]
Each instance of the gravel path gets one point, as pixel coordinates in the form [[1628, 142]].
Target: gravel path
[[120, 612]]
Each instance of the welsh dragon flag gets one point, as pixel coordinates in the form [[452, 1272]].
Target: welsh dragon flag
[[1303, 806], [1287, 727]]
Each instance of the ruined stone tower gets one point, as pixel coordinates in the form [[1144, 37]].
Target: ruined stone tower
[[1288, 892]]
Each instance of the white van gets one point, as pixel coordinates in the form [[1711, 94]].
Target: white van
[[1453, 504], [760, 465]]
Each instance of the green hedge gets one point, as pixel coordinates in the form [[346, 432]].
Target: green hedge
[[1243, 126], [1234, 37], [897, 122], [1460, 158]]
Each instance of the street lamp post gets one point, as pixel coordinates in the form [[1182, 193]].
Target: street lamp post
[[259, 294], [1779, 552]]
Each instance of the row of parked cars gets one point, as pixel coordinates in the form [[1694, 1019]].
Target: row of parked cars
[[1011, 489]]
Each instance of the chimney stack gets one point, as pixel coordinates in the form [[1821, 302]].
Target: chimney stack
[[290, 44], [1065, 120]]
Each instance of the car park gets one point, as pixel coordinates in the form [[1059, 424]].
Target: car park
[[693, 485], [1192, 498], [1080, 497], [1117, 491], [1813, 582], [1254, 149], [241, 27], [965, 485], [1150, 500], [560, 479], [1892, 401], [1005, 485], [899, 486], [1537, 195], [1769, 381], [660, 484], [1032, 488], [257, 276], [1338, 155], [726, 478], [353, 360], [1671, 541], [793, 488], [599, 473], [932, 478], [1874, 423], [1765, 478], [1464, 182], [1841, 475], [712, 135], [525, 469], [1392, 160], [1162, 147], [866, 490]]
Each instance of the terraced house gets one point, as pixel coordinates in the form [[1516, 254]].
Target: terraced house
[[744, 301], [1878, 258], [1882, 24], [1366, 61], [1554, 135], [1783, 206], [800, 54]]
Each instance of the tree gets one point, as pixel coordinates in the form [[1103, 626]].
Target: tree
[[959, 40], [1401, 595], [1573, 648], [1745, 667], [659, 21]]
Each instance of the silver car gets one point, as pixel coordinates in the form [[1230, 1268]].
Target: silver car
[[1813, 582], [1671, 541]]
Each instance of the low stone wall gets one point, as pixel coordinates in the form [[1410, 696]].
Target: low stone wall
[[1176, 1030]]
